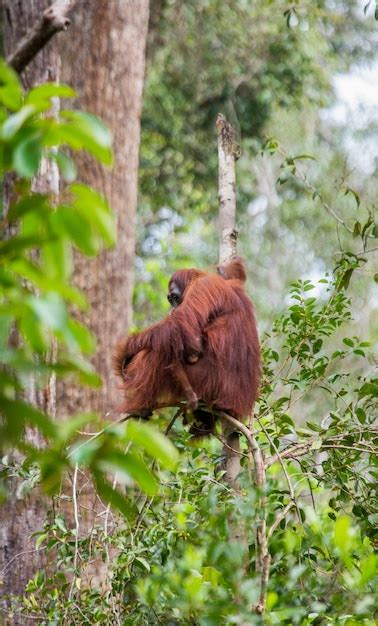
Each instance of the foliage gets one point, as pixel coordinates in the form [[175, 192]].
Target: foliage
[[180, 561], [272, 75], [245, 59], [37, 302]]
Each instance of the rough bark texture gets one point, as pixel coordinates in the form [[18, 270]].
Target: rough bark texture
[[20, 518], [104, 61]]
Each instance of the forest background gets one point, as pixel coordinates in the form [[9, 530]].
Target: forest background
[[298, 82]]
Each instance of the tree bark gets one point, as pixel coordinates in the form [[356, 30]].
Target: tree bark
[[104, 61], [20, 518]]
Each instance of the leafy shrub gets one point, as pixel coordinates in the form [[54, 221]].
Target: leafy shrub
[[39, 231]]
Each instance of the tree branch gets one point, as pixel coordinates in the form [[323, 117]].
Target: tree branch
[[262, 549], [53, 20]]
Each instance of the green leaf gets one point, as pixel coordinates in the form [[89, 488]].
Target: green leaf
[[345, 279], [10, 87], [25, 413], [15, 121], [317, 346], [66, 429], [304, 156], [57, 258], [84, 132], [59, 522], [317, 444], [40, 539], [81, 336], [50, 310], [153, 441], [44, 92], [85, 370], [315, 427], [131, 465], [357, 229], [35, 275], [66, 165], [33, 332], [93, 126], [342, 533], [12, 247], [354, 194], [369, 389], [94, 208], [85, 452], [11, 97], [114, 497], [143, 562], [211, 575], [348, 342], [27, 156], [29, 204], [52, 466], [66, 219]]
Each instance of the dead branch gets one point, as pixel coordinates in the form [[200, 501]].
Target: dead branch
[[228, 154], [53, 20]]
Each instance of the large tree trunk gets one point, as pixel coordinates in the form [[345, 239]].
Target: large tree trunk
[[104, 60], [20, 518]]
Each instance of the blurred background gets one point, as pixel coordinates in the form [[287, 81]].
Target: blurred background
[[304, 74]]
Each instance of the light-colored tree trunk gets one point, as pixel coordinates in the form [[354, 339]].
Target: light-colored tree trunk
[[104, 61], [228, 154], [20, 518]]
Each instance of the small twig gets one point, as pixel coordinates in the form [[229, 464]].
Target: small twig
[[279, 518], [174, 418], [16, 556], [299, 449], [148, 501], [77, 529], [284, 469], [95, 435], [367, 450], [53, 20]]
